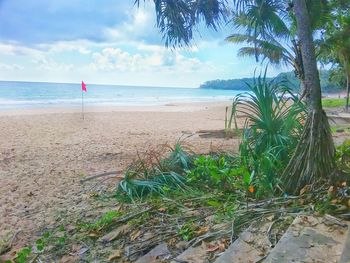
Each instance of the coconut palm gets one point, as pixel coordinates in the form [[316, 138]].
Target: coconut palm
[[268, 30], [261, 27], [272, 50], [314, 155], [177, 19], [313, 158]]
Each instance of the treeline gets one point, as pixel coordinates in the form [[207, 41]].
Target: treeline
[[290, 78]]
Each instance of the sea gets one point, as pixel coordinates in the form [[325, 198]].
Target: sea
[[24, 95]]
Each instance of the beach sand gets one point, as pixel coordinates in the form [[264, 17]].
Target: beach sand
[[45, 153]]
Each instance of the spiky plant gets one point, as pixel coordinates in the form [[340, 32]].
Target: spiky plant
[[274, 116], [157, 172]]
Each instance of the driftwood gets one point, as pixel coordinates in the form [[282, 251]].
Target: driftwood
[[101, 175]]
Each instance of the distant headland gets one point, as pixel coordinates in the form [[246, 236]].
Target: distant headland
[[292, 80]]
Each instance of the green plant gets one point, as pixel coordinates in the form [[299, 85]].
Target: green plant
[[156, 174], [187, 230], [23, 255], [333, 103], [342, 157], [218, 172], [274, 116], [105, 220], [179, 159], [271, 132]]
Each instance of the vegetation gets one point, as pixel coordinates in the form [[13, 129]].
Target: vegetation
[[333, 103], [154, 174], [329, 82], [313, 159], [266, 21], [268, 30], [335, 44], [342, 157], [273, 126], [263, 27]]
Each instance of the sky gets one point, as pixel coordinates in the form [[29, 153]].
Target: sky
[[108, 42]]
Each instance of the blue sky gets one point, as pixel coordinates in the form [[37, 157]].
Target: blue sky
[[107, 42]]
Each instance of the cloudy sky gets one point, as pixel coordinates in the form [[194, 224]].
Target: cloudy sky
[[107, 42]]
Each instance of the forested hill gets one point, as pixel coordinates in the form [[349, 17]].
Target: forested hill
[[240, 84]]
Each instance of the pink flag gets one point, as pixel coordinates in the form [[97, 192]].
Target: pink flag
[[83, 86]]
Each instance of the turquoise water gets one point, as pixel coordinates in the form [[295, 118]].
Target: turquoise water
[[16, 95]]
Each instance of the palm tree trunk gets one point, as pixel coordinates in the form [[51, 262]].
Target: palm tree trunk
[[348, 91], [304, 93], [313, 159]]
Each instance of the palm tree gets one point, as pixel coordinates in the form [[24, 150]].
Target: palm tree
[[260, 25], [276, 53], [336, 45], [313, 158], [177, 19], [275, 40]]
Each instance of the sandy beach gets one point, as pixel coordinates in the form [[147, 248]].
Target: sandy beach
[[45, 153]]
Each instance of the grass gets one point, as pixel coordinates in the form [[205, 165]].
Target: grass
[[340, 128], [333, 103], [103, 222], [157, 172]]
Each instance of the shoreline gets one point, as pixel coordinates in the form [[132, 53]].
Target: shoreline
[[168, 107]]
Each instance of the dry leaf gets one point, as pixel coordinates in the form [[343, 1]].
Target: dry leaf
[[305, 189], [135, 235], [75, 248], [331, 190], [162, 209], [334, 201], [202, 230], [114, 234], [68, 259], [270, 218], [212, 248], [93, 234], [115, 255], [222, 245]]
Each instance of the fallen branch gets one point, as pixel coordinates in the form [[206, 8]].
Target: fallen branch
[[128, 217], [101, 175], [8, 245]]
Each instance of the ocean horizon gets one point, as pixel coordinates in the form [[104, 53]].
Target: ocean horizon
[[23, 95]]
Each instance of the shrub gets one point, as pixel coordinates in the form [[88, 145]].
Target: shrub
[[342, 157], [273, 126], [156, 174], [220, 172]]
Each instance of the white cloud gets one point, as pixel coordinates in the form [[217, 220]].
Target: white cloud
[[155, 59], [19, 50], [139, 25], [80, 46], [11, 67]]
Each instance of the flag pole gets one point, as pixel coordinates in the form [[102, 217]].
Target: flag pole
[[82, 103]]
